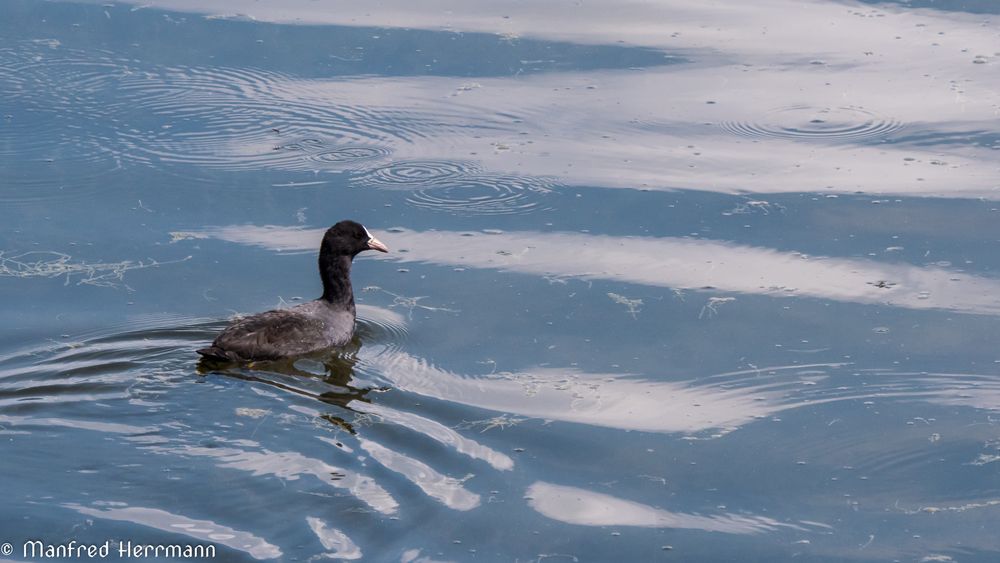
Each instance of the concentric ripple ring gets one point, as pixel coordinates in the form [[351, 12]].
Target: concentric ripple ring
[[808, 123]]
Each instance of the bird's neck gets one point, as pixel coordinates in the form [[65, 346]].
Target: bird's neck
[[336, 275]]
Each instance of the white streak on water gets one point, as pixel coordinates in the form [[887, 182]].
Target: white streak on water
[[339, 544], [439, 432], [204, 530], [446, 490], [291, 465], [573, 505], [668, 262]]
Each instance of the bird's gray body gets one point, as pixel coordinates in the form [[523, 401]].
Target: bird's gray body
[[303, 329], [327, 322]]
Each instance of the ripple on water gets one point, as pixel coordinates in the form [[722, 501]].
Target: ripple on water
[[98, 367], [348, 154], [460, 187], [99, 107], [409, 174], [134, 385], [382, 331], [485, 195], [45, 74], [94, 106], [808, 123], [239, 119], [52, 131]]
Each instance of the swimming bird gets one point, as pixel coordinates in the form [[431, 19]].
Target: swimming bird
[[326, 322]]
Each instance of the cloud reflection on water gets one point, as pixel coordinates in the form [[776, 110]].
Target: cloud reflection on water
[[740, 115], [573, 505], [340, 545], [666, 262], [437, 432], [745, 28], [569, 395], [446, 490], [291, 465], [202, 530]]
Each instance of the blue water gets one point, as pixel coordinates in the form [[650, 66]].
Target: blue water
[[673, 281]]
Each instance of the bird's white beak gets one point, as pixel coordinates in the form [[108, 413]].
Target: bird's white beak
[[375, 244]]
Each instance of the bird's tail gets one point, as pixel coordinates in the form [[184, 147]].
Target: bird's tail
[[217, 354]]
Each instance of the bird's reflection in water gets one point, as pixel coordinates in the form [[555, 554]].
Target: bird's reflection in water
[[324, 376]]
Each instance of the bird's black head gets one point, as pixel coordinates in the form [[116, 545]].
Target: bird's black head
[[348, 238]]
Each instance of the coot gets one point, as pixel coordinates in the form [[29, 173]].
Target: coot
[[324, 323]]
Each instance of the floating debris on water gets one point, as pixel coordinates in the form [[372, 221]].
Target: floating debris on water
[[633, 305], [711, 307], [503, 421], [51, 264], [755, 206], [252, 413], [177, 236], [409, 303]]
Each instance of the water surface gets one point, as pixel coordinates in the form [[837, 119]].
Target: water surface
[[704, 282]]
